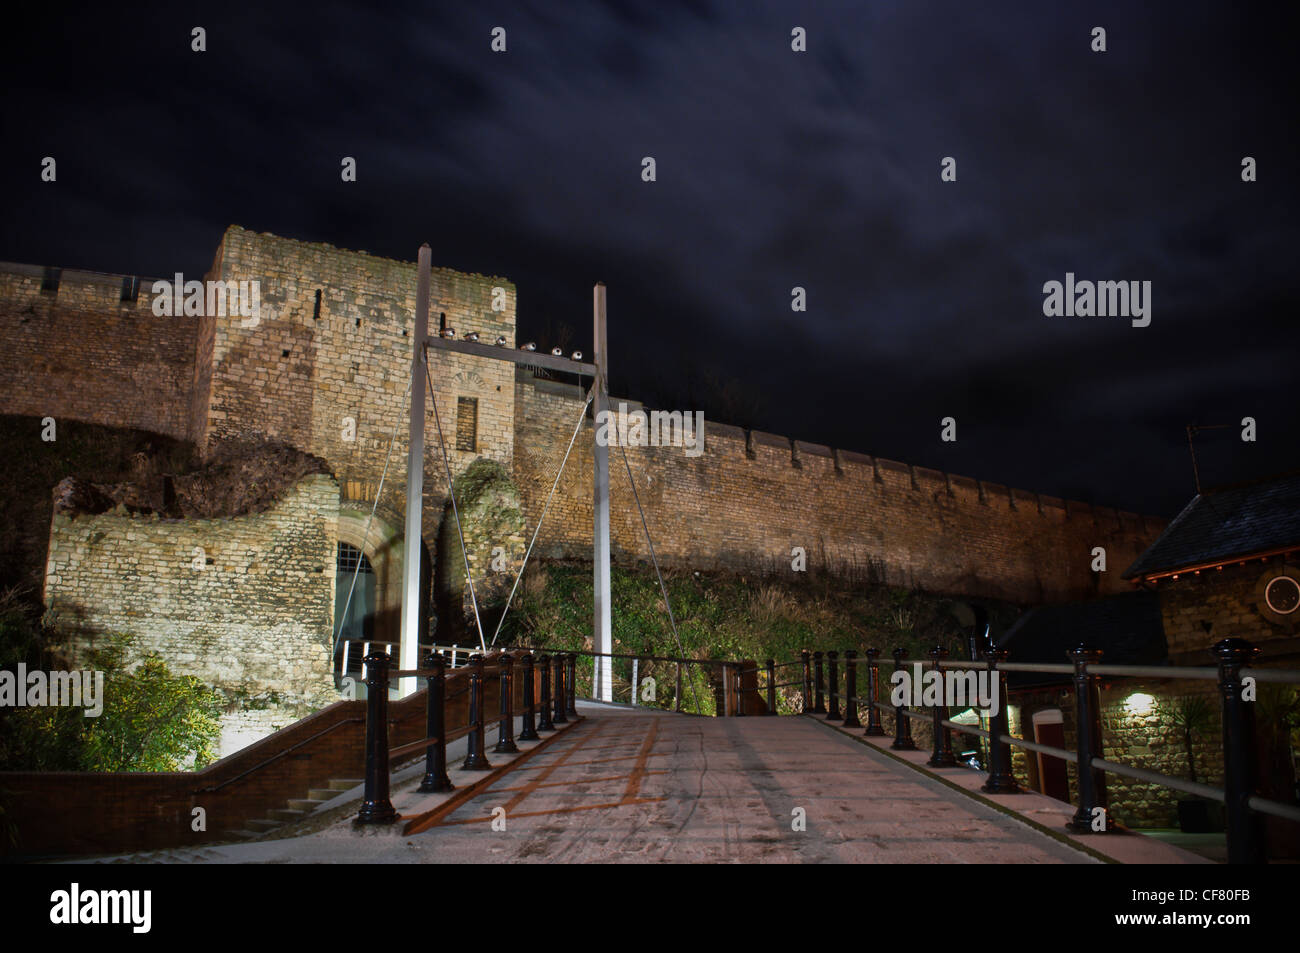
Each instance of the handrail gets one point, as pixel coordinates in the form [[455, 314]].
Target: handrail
[[454, 735], [1244, 805], [279, 754], [1284, 675], [1232, 676], [632, 655]]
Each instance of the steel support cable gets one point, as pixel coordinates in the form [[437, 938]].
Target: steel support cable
[[582, 415], [370, 519], [357, 568], [451, 492], [655, 559]]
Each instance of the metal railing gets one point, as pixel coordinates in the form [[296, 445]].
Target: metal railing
[[738, 687], [728, 682], [1243, 804], [376, 804]]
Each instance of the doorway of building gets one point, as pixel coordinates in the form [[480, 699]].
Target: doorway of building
[[354, 611], [1053, 775]]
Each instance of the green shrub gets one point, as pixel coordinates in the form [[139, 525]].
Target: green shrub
[[152, 720]]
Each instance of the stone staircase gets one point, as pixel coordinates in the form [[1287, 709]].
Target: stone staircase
[[295, 809]]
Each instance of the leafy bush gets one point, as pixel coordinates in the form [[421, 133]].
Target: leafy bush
[[152, 721]]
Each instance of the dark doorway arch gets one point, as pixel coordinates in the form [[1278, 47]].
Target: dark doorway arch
[[355, 607]]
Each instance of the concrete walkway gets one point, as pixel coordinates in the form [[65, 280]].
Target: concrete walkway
[[632, 785]]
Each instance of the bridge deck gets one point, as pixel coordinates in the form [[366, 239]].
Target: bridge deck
[[632, 785]]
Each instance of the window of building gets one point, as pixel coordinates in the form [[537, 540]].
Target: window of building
[[467, 423]]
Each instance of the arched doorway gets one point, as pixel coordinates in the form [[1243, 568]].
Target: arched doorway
[[354, 611], [370, 550], [367, 589]]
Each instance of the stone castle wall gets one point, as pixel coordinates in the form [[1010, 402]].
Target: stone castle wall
[[255, 621], [751, 497], [330, 352], [334, 343], [70, 347], [325, 366]]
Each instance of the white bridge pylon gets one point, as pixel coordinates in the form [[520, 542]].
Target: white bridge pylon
[[602, 681]]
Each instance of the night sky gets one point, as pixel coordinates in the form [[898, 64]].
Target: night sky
[[775, 169]]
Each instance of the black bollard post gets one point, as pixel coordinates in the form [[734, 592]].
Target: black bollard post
[[1091, 816], [560, 696], [571, 666], [1240, 768], [475, 759], [833, 685], [874, 728], [506, 729], [544, 704], [435, 726], [376, 808], [820, 707], [807, 680], [851, 689], [771, 686], [902, 724], [941, 756], [1002, 779], [529, 730]]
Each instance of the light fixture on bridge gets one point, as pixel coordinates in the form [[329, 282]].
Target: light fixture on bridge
[[530, 346], [557, 352], [577, 355], [449, 332], [501, 340], [472, 336]]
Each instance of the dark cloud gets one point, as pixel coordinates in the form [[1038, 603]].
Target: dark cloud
[[775, 169]]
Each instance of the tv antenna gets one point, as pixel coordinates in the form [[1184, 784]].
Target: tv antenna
[[1192, 431]]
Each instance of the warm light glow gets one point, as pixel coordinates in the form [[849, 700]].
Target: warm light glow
[[1139, 703]]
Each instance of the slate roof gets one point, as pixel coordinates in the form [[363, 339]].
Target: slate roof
[[1219, 525], [1127, 628]]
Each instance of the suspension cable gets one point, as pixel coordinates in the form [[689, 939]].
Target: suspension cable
[[582, 416], [392, 438], [655, 559], [451, 492]]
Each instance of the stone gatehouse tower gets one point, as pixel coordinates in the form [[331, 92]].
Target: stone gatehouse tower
[[249, 603], [326, 370]]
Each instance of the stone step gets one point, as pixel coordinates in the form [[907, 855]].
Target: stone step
[[322, 794], [343, 784], [287, 814], [306, 805], [245, 835], [261, 824]]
